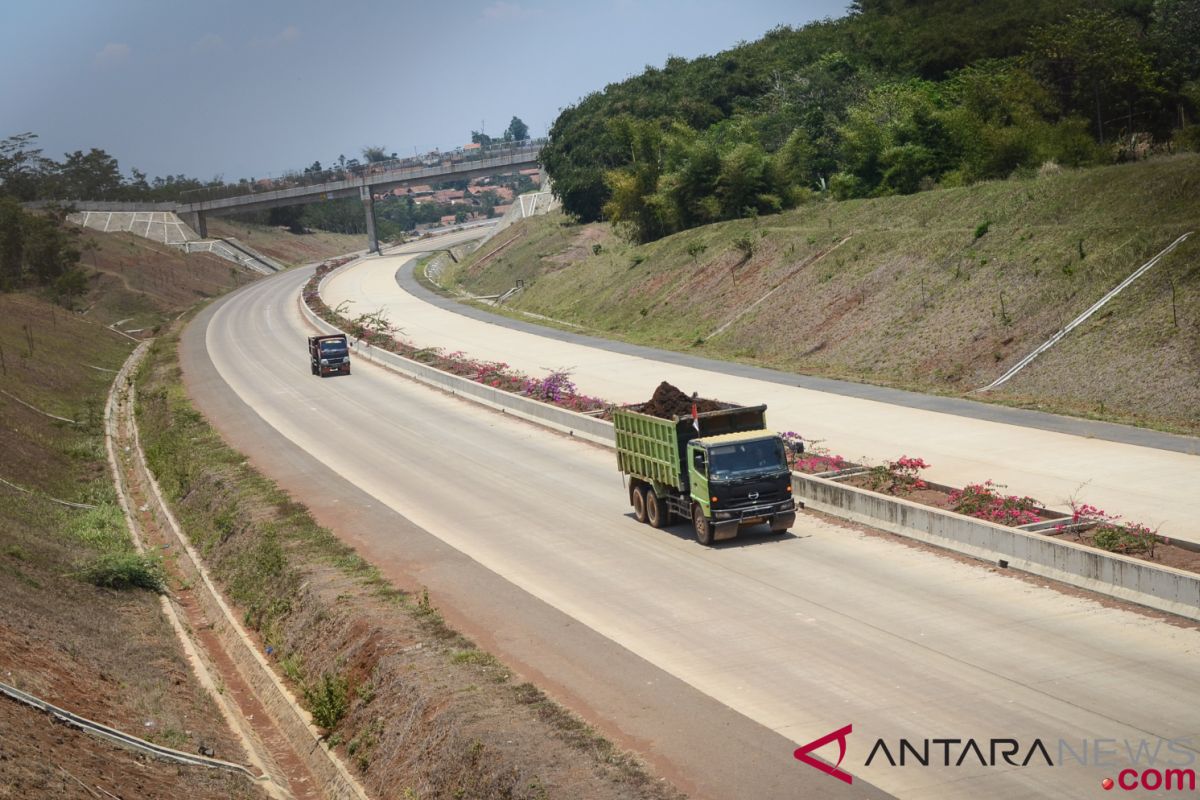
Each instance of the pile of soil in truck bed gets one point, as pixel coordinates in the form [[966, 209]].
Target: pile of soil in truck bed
[[669, 402]]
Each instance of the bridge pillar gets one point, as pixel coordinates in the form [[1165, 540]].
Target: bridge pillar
[[197, 222], [369, 208]]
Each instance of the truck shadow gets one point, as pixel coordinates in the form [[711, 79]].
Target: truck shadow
[[752, 536]]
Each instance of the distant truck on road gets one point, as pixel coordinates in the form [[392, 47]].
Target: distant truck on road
[[329, 354], [719, 469]]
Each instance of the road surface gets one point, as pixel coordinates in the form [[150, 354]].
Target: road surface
[[1158, 487], [714, 663]]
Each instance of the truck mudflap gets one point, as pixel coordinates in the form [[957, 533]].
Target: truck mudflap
[[725, 530]]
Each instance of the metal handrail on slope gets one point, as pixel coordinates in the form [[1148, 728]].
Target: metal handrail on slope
[[121, 738]]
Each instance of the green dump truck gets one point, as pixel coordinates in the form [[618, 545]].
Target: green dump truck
[[719, 469]]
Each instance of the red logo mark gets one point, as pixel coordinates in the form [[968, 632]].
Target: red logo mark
[[802, 754]]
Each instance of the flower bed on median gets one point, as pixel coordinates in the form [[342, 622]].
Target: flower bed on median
[[555, 388], [899, 478]]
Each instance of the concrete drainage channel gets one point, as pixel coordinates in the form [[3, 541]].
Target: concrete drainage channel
[[283, 744], [1159, 587]]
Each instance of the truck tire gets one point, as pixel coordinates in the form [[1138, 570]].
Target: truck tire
[[312, 368], [657, 515], [704, 532], [779, 527], [637, 498]]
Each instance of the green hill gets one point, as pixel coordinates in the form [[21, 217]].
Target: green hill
[[938, 291]]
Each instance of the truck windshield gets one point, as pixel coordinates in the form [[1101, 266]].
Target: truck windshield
[[746, 458], [335, 346]]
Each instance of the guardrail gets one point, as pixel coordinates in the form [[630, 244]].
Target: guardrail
[[1155, 586]]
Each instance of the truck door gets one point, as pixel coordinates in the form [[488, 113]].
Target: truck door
[[698, 477]]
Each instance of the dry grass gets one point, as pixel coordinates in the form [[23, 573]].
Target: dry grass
[[936, 292], [288, 248]]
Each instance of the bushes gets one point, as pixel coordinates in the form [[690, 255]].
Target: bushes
[[1130, 538], [983, 501], [897, 477], [125, 570], [328, 700]]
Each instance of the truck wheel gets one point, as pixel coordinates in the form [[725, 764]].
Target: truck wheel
[[656, 510], [637, 496], [779, 527], [701, 525], [312, 368]]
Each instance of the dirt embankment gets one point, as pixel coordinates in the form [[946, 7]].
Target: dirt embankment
[[105, 654], [937, 292]]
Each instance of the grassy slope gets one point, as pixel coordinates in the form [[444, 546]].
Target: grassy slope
[[288, 248], [900, 291]]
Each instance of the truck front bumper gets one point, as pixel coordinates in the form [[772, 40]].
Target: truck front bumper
[[727, 522]]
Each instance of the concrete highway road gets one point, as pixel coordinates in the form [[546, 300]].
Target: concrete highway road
[[713, 663], [1158, 487]]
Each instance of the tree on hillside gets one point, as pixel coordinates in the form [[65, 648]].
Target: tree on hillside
[[22, 167], [1175, 40], [91, 176], [51, 256], [517, 131], [1094, 63], [12, 243], [374, 154]]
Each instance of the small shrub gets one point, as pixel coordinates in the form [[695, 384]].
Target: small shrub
[[1187, 138], [293, 667], [1130, 538], [897, 477], [327, 700], [810, 457], [984, 501], [745, 246], [597, 249], [982, 228], [696, 248], [125, 571]]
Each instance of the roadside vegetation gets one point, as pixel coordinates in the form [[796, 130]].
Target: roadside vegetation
[[82, 627], [938, 291], [893, 98]]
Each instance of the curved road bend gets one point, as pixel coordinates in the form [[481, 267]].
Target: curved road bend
[[713, 663], [1143, 483]]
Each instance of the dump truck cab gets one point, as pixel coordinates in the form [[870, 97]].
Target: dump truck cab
[[329, 354], [740, 479]]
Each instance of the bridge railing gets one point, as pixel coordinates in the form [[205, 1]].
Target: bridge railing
[[392, 169]]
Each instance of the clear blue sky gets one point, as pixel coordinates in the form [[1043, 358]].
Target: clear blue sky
[[248, 88]]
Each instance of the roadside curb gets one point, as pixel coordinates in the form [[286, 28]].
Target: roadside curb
[[292, 720], [116, 409], [1122, 577]]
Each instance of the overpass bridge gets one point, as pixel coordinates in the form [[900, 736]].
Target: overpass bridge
[[364, 182]]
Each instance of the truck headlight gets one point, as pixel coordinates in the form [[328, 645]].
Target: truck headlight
[[325, 362]]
